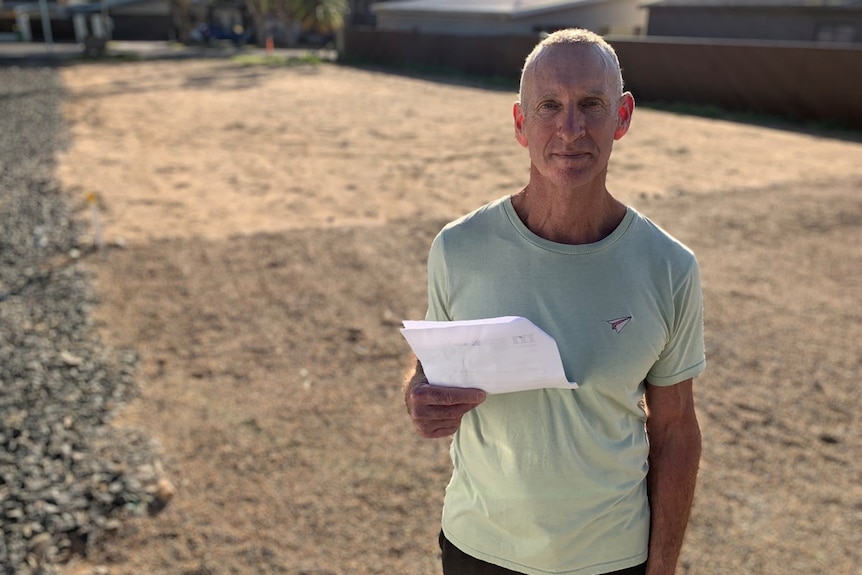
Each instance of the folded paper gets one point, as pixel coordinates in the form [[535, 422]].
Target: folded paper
[[497, 355]]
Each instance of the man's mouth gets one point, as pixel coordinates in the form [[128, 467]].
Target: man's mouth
[[572, 155]]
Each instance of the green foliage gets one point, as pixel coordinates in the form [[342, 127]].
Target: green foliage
[[276, 60], [112, 56], [321, 16]]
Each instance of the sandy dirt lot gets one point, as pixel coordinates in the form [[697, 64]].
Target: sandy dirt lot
[[275, 224]]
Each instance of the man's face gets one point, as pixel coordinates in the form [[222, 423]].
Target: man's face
[[571, 114]]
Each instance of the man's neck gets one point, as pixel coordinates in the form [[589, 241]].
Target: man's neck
[[577, 216]]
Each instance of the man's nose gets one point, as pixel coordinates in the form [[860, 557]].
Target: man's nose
[[571, 124]]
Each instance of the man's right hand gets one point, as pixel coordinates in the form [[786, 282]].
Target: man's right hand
[[437, 410]]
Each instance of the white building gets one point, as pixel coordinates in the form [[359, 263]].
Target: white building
[[510, 17]]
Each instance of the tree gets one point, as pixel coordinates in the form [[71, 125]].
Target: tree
[[321, 16], [260, 9], [181, 20]]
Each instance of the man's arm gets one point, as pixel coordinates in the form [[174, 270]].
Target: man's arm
[[674, 456], [437, 410]]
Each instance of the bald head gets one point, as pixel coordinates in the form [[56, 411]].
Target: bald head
[[575, 37]]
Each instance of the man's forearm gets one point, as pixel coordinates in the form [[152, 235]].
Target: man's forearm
[[671, 483]]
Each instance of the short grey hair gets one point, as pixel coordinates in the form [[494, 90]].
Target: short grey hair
[[576, 36]]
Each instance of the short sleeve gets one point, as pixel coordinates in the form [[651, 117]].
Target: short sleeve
[[438, 282], [683, 356]]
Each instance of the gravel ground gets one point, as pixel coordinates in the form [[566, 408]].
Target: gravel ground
[[66, 476]]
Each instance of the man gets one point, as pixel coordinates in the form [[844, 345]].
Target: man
[[586, 481]]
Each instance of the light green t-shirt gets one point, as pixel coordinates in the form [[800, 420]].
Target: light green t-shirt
[[554, 480]]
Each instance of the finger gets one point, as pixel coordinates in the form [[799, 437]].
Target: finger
[[433, 412], [439, 430], [435, 423], [442, 395]]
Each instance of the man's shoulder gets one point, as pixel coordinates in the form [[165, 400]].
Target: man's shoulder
[[655, 238], [478, 219]]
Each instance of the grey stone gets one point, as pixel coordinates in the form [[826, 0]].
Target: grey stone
[[58, 382]]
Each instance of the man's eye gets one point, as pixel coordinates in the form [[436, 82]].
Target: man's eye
[[548, 106]]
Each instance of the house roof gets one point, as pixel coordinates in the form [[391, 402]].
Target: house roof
[[756, 3], [500, 8], [86, 8]]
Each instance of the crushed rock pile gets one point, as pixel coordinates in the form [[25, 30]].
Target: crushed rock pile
[[67, 477]]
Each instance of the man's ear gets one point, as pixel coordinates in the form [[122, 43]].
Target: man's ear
[[518, 115], [624, 115]]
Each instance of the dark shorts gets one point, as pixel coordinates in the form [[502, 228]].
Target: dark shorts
[[456, 562]]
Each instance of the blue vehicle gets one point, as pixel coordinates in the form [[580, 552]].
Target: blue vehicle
[[211, 33]]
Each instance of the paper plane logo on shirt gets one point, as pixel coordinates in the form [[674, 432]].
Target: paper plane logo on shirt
[[620, 323]]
